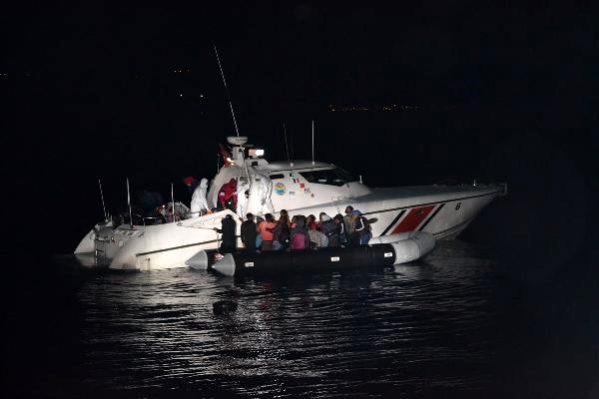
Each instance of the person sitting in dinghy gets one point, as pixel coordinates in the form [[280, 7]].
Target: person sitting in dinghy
[[342, 234], [265, 229], [259, 220], [299, 234], [281, 234], [311, 222], [317, 238], [349, 221], [329, 229]]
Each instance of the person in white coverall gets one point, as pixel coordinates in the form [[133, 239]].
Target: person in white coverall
[[242, 197], [198, 199], [259, 202]]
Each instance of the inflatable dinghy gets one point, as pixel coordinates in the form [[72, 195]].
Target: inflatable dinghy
[[384, 251]]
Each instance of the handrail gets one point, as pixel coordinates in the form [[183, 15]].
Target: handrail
[[175, 248]]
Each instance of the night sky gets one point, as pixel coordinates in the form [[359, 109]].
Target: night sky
[[447, 92]]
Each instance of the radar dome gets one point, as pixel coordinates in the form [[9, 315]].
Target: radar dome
[[237, 140]]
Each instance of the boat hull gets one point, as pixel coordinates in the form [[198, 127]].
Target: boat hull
[[442, 211], [443, 217]]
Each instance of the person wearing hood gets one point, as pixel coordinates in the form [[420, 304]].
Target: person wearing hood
[[199, 204], [330, 229], [259, 193], [227, 195], [242, 195]]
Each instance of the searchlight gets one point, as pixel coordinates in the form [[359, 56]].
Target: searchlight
[[256, 152]]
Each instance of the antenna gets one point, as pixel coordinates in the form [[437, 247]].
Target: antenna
[[242, 140], [227, 91], [286, 144], [291, 149], [129, 205], [102, 197], [173, 200], [313, 163]]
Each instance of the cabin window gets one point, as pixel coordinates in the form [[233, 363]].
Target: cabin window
[[277, 176], [335, 177]]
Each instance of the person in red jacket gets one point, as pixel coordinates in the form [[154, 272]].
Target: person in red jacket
[[227, 195]]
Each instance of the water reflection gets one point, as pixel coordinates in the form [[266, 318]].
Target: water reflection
[[359, 332]]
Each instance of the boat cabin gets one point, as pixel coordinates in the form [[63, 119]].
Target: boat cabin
[[302, 184], [284, 185]]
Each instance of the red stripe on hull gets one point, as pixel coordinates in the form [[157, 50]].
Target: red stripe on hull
[[413, 219]]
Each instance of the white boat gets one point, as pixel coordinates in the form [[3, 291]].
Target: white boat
[[300, 187]]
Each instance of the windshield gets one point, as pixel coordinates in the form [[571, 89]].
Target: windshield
[[335, 177]]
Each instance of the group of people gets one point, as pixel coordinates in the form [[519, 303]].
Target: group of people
[[227, 196], [267, 234], [237, 195], [232, 195], [298, 233]]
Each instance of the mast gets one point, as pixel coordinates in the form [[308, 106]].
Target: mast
[[222, 75]]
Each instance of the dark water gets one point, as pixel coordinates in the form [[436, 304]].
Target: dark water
[[456, 324]]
